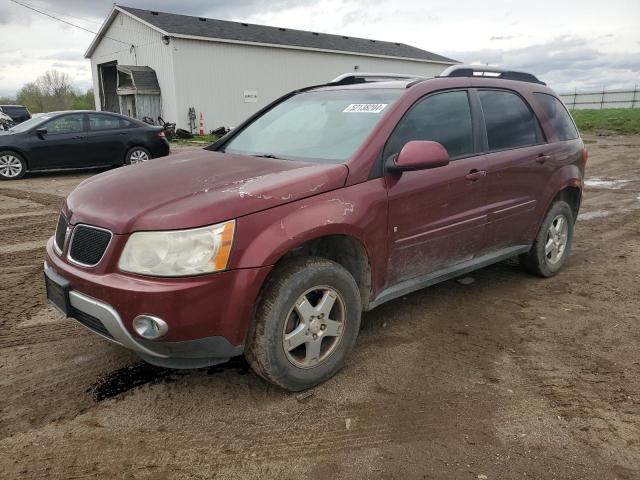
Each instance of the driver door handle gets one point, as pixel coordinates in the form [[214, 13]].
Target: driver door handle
[[474, 175], [542, 158]]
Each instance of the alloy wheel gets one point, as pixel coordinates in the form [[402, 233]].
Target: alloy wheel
[[10, 166], [138, 156], [557, 239], [314, 327]]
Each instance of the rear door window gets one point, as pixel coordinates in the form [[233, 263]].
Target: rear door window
[[509, 120], [558, 116], [98, 122], [17, 112], [443, 117]]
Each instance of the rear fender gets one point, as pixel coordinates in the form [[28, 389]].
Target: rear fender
[[566, 176]]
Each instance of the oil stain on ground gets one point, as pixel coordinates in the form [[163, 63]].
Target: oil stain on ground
[[132, 376]]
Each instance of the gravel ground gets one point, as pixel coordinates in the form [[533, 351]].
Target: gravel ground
[[510, 376]]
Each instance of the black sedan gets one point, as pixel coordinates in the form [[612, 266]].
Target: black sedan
[[77, 139]]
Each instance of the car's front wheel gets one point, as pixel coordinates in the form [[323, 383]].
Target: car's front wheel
[[137, 155], [553, 243], [307, 321], [12, 166]]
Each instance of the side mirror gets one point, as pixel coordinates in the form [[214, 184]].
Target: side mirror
[[419, 155], [41, 132]]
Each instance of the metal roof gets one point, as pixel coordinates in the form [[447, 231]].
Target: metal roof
[[144, 78], [212, 29]]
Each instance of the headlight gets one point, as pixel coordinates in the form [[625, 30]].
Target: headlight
[[178, 253]]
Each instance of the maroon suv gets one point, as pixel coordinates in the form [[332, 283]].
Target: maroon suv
[[326, 203]]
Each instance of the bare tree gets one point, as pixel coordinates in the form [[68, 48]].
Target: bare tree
[[53, 91]]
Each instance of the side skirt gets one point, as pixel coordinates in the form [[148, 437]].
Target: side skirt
[[408, 286]]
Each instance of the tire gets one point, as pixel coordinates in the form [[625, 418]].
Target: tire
[[12, 165], [551, 247], [327, 338], [137, 155]]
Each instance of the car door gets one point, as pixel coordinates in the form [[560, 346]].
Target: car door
[[436, 217], [62, 143], [517, 167], [107, 138]]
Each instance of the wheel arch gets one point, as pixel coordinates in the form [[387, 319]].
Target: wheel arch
[[24, 156], [565, 185], [346, 250]]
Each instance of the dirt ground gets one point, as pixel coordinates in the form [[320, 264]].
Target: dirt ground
[[510, 377]]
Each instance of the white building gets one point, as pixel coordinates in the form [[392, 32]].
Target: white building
[[148, 63]]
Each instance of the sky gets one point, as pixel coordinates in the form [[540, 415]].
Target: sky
[[569, 44]]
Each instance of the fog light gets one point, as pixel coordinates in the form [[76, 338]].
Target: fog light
[[150, 327]]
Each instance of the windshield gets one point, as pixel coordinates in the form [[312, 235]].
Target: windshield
[[29, 124], [319, 126]]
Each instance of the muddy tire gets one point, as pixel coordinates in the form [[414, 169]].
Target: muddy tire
[[12, 165], [306, 323], [551, 247], [137, 155]]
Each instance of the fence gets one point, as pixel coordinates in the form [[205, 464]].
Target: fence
[[629, 98]]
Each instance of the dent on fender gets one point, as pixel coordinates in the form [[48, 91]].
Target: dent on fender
[[354, 213]]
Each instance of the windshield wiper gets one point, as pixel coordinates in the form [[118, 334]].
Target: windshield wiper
[[267, 155]]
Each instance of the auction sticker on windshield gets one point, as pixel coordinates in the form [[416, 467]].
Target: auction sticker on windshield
[[365, 108]]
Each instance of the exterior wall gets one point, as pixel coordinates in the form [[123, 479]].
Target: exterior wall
[[602, 99], [149, 50], [213, 76]]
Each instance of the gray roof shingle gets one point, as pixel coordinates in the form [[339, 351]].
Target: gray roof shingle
[[245, 32]]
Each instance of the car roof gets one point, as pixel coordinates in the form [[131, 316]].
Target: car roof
[[471, 75]]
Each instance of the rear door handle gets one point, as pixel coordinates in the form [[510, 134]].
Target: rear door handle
[[542, 158], [79, 137], [124, 133], [474, 175]]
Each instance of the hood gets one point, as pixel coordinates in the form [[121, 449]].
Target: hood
[[193, 189]]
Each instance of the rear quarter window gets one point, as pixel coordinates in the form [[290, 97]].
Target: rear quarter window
[[559, 118]]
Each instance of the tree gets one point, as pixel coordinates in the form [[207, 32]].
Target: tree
[[84, 101], [54, 91], [31, 97]]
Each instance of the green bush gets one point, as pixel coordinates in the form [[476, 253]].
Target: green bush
[[609, 121]]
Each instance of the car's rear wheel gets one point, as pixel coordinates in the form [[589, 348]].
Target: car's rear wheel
[[553, 243], [307, 321], [137, 155], [12, 166]]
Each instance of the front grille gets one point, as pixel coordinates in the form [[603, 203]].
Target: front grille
[[61, 232], [88, 245], [92, 323]]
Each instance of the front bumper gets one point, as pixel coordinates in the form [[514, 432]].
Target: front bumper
[[208, 315]]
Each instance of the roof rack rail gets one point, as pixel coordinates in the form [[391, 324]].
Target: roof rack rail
[[494, 72], [349, 78]]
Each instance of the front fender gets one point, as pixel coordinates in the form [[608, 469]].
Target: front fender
[[359, 211]]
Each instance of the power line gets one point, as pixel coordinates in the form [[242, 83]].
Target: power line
[[69, 15], [65, 21]]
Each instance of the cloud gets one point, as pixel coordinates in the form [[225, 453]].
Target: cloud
[[496, 32], [95, 11], [565, 63]]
